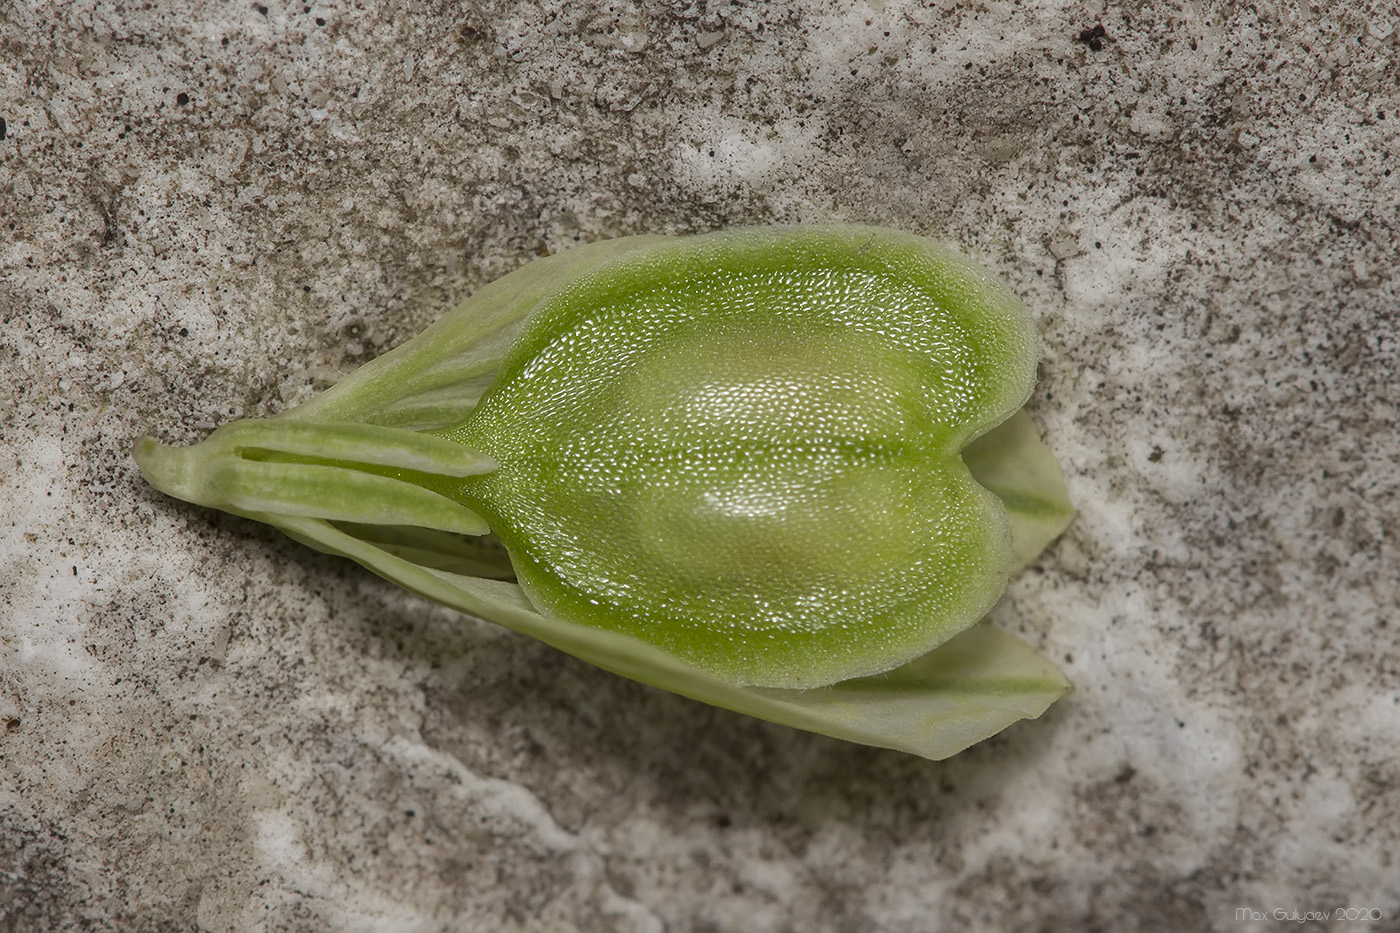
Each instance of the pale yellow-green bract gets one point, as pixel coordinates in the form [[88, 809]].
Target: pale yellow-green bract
[[781, 470]]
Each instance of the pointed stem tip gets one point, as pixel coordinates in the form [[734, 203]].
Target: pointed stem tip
[[172, 470]]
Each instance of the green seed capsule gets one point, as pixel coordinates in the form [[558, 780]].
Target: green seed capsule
[[746, 451], [778, 470]]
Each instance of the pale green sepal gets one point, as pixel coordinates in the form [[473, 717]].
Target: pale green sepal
[[337, 494], [968, 689], [354, 443], [435, 379], [1015, 464], [272, 467], [478, 556]]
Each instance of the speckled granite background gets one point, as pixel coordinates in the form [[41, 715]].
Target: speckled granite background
[[211, 210]]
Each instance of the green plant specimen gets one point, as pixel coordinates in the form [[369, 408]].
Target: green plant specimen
[[779, 470]]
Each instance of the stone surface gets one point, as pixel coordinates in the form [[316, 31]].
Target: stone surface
[[212, 210]]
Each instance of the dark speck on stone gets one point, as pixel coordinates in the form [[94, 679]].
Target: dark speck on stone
[[1093, 37], [182, 98]]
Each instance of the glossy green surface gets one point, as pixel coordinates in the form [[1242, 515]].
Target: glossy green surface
[[744, 449]]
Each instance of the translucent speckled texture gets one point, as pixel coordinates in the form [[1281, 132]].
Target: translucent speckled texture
[[744, 448]]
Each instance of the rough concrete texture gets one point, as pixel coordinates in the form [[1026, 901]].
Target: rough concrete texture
[[211, 210]]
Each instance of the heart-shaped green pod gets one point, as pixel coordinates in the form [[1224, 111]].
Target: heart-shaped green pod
[[774, 424], [745, 450]]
